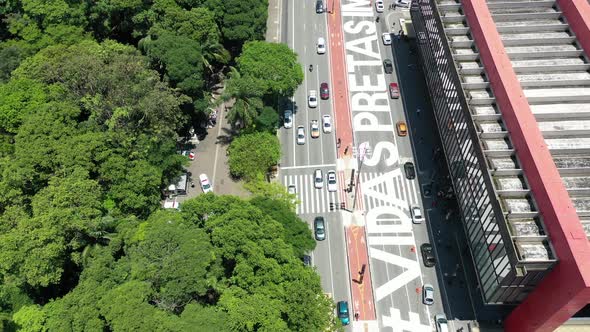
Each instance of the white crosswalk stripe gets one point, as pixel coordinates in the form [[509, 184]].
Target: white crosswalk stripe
[[311, 200], [402, 188]]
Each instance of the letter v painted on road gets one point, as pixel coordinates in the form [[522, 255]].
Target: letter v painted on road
[[411, 267]]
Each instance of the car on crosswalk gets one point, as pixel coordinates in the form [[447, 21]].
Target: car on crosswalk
[[315, 129], [318, 179], [327, 123], [332, 185], [416, 214], [300, 135], [410, 170]]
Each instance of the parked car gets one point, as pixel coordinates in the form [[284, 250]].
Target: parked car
[[318, 179], [393, 90], [319, 6], [440, 321], [288, 120], [324, 91], [403, 3], [416, 214], [428, 254], [291, 189], [319, 226], [402, 128], [388, 66], [315, 129], [379, 6], [410, 170], [312, 99], [386, 38], [332, 185], [343, 313], [327, 123], [205, 184], [321, 45], [428, 294], [300, 135]]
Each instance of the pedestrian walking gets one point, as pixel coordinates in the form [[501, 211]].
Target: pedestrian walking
[[394, 6], [356, 316], [418, 111], [338, 143]]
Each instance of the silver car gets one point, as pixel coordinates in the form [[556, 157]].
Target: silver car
[[428, 294], [318, 179]]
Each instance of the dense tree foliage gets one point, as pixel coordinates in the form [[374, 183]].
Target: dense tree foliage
[[94, 97], [251, 155]]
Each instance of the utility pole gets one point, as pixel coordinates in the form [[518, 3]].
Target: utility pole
[[362, 149]]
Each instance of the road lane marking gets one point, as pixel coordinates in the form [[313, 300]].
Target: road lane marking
[[309, 166]]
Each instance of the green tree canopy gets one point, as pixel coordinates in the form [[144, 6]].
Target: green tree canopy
[[275, 65], [251, 155]]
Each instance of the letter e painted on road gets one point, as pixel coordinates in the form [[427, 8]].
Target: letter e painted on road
[[363, 101], [366, 84]]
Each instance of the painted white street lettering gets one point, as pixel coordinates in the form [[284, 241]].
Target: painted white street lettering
[[400, 325]]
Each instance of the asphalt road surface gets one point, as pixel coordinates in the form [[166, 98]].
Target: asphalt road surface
[[397, 272]]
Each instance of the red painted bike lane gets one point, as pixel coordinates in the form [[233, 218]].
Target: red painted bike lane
[[340, 103], [356, 245]]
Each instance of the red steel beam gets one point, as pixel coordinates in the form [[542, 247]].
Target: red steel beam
[[566, 289], [577, 14]]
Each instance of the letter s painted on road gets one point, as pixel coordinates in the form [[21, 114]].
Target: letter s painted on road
[[378, 150], [370, 27]]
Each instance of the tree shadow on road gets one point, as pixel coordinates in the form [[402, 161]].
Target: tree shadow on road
[[227, 136]]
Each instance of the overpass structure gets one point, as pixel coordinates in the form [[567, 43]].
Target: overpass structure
[[509, 81]]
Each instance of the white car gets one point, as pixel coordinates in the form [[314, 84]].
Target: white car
[[332, 186], [288, 119], [327, 123], [416, 214], [318, 179], [440, 320], [300, 135], [379, 6], [428, 294], [403, 3], [205, 184], [321, 45], [386, 38], [312, 99], [291, 189]]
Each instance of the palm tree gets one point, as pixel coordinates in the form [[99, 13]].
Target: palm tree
[[246, 93]]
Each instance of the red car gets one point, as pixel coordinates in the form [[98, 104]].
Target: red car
[[393, 90], [324, 91]]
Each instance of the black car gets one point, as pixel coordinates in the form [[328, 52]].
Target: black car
[[387, 66], [319, 227], [319, 6], [410, 170], [427, 255]]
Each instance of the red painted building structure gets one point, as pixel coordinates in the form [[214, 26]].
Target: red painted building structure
[[564, 288]]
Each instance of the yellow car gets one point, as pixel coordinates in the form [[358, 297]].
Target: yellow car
[[402, 129]]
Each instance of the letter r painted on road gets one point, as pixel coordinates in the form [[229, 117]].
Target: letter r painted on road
[[359, 123]]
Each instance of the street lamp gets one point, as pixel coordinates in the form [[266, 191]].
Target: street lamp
[[362, 152]]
